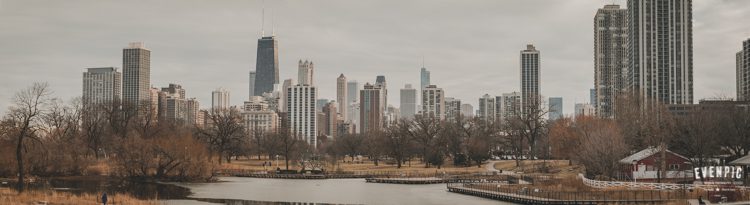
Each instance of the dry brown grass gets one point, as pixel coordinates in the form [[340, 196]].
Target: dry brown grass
[[366, 165], [556, 167], [8, 196]]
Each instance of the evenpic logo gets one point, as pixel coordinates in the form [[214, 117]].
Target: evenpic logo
[[731, 172]]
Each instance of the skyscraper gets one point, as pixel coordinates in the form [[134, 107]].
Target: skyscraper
[[467, 110], [743, 72], [301, 112], [433, 102], [486, 111], [252, 84], [320, 103], [220, 99], [452, 108], [610, 57], [424, 77], [352, 88], [530, 78], [380, 81], [408, 103], [370, 110], [266, 65], [101, 86], [136, 73], [331, 119], [555, 108], [305, 72], [341, 97], [175, 108], [660, 51], [288, 83], [193, 112], [511, 105]]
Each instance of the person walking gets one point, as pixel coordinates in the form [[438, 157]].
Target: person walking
[[104, 198]]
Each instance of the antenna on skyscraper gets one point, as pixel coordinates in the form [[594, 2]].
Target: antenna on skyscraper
[[273, 23], [263, 20], [423, 60]]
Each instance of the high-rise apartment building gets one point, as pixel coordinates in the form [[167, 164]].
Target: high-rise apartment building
[[452, 108], [370, 110], [555, 108], [530, 78], [511, 105], [136, 75], [220, 99], [342, 97], [408, 105], [433, 102], [300, 105], [288, 83], [266, 65], [101, 86], [743, 72], [175, 107], [610, 58], [486, 110], [467, 110], [305, 72], [193, 112], [660, 51]]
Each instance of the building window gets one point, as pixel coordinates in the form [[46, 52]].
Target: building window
[[674, 167]]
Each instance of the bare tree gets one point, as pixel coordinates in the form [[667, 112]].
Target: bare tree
[[422, 131], [350, 144], [224, 132], [28, 106], [601, 146], [397, 143]]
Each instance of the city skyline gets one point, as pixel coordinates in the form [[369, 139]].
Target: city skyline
[[490, 69]]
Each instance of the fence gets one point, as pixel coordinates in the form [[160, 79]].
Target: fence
[[520, 194], [642, 185]]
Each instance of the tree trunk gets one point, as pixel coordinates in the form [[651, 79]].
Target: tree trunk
[[19, 158], [286, 161], [398, 162]]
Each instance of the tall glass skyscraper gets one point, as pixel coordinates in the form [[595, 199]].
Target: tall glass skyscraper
[[266, 65]]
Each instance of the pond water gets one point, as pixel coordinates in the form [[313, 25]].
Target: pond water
[[331, 191], [240, 190]]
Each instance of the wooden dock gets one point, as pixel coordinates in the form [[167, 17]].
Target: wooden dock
[[422, 180], [527, 199]]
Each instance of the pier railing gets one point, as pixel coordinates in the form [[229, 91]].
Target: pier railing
[[522, 194]]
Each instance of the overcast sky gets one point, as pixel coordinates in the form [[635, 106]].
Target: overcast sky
[[471, 47]]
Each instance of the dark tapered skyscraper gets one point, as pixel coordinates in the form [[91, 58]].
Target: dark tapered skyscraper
[[660, 51], [266, 65]]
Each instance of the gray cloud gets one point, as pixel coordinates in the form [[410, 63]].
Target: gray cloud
[[471, 47]]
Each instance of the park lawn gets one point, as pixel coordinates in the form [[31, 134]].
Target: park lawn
[[8, 196], [416, 167]]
